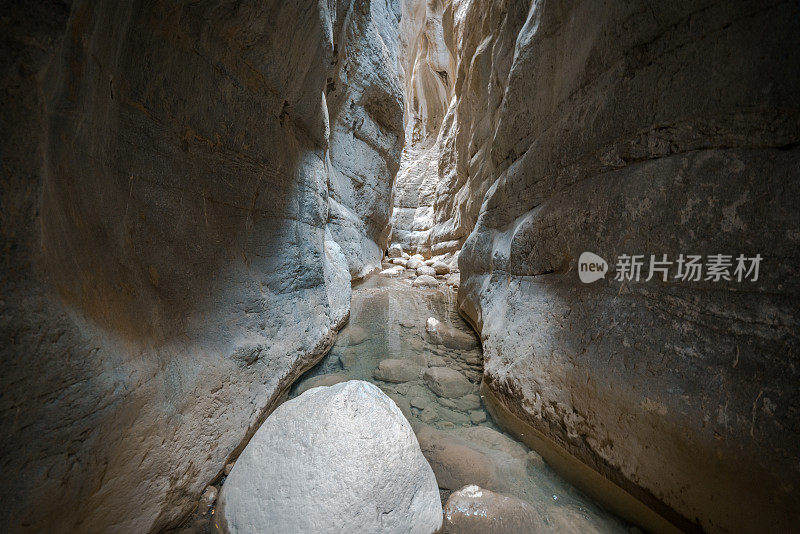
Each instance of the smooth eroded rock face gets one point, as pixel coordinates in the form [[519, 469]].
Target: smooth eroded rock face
[[669, 131], [192, 188], [475, 510], [335, 459]]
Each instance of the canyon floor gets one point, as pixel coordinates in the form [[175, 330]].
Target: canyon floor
[[412, 343]]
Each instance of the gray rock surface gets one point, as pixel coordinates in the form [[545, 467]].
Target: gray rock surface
[[337, 459], [187, 191], [364, 98], [648, 137]]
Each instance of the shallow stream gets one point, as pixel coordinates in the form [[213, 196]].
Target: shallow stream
[[390, 323]]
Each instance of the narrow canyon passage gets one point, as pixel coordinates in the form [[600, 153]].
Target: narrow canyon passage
[[399, 266], [413, 344]]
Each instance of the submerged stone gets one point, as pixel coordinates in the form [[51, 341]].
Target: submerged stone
[[454, 462], [447, 382], [453, 338], [396, 370], [475, 510]]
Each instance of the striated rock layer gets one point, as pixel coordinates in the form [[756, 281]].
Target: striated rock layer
[[623, 129], [184, 205]]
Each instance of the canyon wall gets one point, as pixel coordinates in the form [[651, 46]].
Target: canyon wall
[[428, 66], [184, 205], [632, 129]]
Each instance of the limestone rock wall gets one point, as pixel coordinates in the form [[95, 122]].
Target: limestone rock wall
[[628, 129], [447, 168], [428, 68], [177, 236], [365, 103]]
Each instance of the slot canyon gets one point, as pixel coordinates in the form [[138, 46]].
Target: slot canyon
[[320, 266]]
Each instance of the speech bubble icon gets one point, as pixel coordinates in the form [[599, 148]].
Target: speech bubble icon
[[591, 267]]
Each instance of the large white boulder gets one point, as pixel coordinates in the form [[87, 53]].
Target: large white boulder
[[335, 459]]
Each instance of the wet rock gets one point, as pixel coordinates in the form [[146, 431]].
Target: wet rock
[[443, 334], [467, 402], [475, 510], [454, 462], [425, 281], [425, 270], [451, 416], [490, 439], [429, 414], [447, 382], [396, 370], [320, 380], [477, 416], [337, 459], [436, 360], [534, 462], [395, 251], [571, 520], [348, 358], [208, 499], [473, 358], [441, 268], [353, 335], [401, 403], [419, 402]]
